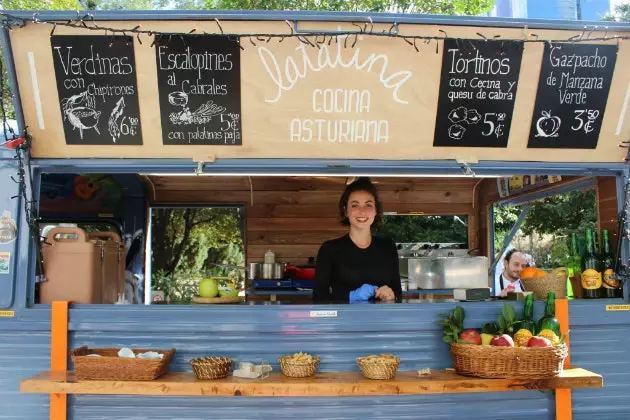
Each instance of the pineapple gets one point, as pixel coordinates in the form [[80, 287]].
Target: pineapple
[[521, 337], [551, 336]]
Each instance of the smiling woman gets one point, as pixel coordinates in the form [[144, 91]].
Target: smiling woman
[[358, 267]]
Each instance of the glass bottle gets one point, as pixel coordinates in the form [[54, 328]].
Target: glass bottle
[[610, 285], [575, 262], [528, 315], [549, 321], [591, 275]]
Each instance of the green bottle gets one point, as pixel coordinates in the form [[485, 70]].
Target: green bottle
[[549, 321], [575, 263], [528, 315], [591, 275], [610, 285]]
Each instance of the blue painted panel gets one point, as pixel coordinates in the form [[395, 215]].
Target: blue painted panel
[[22, 354], [266, 332], [599, 342]]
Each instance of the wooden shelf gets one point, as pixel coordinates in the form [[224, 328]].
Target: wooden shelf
[[322, 384]]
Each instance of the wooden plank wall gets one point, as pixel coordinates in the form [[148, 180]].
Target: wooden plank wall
[[607, 208], [293, 215]]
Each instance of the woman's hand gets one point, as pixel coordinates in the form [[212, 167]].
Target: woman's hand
[[385, 293]]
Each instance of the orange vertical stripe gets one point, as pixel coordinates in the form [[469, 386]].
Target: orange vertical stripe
[[564, 410], [59, 356]]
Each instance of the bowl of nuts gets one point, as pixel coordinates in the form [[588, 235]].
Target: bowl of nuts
[[298, 365], [383, 366]]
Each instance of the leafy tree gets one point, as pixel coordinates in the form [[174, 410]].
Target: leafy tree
[[621, 14], [450, 7], [192, 239], [424, 229], [558, 215]]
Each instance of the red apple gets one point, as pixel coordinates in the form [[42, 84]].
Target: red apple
[[470, 336], [502, 340], [539, 342]]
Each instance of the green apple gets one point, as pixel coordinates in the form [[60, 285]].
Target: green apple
[[208, 288]]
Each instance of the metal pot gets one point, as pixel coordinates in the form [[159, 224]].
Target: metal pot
[[253, 273], [273, 271], [278, 270]]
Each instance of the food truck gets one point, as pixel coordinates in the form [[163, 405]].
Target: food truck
[[124, 114]]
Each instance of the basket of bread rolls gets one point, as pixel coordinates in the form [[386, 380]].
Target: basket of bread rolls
[[382, 366], [299, 365]]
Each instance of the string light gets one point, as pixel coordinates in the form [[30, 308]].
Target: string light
[[311, 38]]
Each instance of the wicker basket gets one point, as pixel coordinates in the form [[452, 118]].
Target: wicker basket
[[110, 367], [298, 369], [508, 362], [211, 367], [382, 368], [556, 282]]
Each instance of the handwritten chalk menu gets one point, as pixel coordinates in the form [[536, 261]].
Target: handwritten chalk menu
[[97, 87], [572, 94], [200, 92], [477, 92]]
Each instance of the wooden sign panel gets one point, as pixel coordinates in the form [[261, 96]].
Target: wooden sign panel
[[348, 97], [97, 89], [572, 95], [199, 83], [477, 92]]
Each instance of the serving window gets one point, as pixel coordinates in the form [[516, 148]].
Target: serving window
[[177, 231]]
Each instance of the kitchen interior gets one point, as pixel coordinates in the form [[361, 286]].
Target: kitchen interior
[[280, 223]]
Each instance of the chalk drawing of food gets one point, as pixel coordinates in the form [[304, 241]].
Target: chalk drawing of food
[[472, 116], [80, 112], [547, 126], [201, 115], [114, 119], [458, 114], [456, 132]]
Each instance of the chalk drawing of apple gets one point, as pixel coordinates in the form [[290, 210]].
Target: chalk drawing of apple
[[458, 114], [548, 126], [456, 132]]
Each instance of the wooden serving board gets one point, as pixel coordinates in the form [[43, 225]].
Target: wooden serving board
[[216, 300]]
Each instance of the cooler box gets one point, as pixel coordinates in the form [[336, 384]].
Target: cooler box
[[82, 268]]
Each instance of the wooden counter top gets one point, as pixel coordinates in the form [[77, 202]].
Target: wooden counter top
[[322, 384]]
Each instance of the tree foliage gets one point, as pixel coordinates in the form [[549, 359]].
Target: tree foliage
[[621, 13], [424, 229], [193, 239], [559, 214], [451, 7]]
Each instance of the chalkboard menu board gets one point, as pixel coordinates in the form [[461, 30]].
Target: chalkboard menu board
[[572, 94], [97, 87], [199, 84], [477, 92]]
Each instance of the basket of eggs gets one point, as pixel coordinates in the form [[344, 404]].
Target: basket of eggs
[[541, 282]]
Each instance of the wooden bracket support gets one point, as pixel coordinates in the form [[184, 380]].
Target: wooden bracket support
[[564, 410], [59, 356]]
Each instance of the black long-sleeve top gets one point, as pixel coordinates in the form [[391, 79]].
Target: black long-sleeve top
[[342, 267]]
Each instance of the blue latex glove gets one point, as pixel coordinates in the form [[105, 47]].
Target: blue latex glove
[[363, 293]]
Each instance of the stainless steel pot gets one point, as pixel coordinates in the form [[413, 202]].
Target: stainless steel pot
[[253, 272], [278, 270], [273, 271]]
